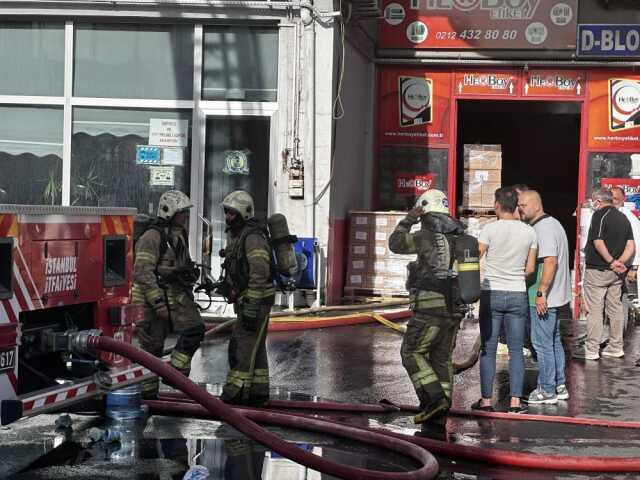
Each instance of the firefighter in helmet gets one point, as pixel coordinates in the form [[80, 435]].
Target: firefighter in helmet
[[249, 276], [163, 279], [430, 337]]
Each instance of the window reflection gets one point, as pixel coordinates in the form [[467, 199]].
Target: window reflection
[[106, 156], [133, 61], [240, 63], [401, 167], [31, 155]]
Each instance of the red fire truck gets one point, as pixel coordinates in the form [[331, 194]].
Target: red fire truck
[[62, 269]]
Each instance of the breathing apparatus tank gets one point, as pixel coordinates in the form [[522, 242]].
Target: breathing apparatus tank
[[467, 255], [282, 242]]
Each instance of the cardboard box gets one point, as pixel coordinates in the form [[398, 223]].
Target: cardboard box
[[479, 194], [483, 157], [477, 175]]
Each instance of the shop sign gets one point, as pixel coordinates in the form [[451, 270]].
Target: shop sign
[[609, 40], [168, 133], [412, 183], [631, 187], [479, 24], [146, 155], [486, 83], [414, 106], [554, 83], [161, 176], [614, 110]]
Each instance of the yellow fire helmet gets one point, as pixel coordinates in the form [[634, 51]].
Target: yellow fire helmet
[[433, 201], [241, 202]]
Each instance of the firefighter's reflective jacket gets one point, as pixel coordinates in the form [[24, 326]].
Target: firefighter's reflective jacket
[[429, 279], [249, 265], [162, 268]]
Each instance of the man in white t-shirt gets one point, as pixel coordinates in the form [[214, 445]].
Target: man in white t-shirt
[[550, 290], [510, 249]]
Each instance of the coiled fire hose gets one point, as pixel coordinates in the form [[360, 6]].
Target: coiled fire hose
[[92, 340]]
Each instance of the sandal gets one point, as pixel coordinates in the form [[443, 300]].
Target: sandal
[[478, 406]]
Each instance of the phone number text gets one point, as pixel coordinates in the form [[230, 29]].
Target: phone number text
[[478, 34]]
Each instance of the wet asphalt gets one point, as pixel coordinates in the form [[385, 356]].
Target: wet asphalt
[[350, 364]]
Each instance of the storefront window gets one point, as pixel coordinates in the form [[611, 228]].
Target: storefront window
[[236, 158], [240, 63], [405, 172], [133, 61], [31, 155], [128, 158], [613, 168], [32, 58]]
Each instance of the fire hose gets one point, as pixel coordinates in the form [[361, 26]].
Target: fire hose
[[92, 340], [466, 452], [243, 419]]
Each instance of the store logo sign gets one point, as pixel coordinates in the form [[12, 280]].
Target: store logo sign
[[498, 9], [412, 184], [624, 104], [415, 96]]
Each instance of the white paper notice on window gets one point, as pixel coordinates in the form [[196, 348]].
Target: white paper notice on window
[[165, 132], [161, 176], [173, 156]]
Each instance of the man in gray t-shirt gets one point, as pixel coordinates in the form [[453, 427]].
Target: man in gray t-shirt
[[550, 289]]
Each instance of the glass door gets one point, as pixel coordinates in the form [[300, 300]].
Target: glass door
[[236, 158]]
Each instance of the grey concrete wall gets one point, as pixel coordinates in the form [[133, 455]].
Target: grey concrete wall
[[354, 133]]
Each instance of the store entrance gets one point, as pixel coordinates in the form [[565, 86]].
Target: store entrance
[[540, 143]]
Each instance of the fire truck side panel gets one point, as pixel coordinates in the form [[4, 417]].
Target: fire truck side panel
[[9, 309]]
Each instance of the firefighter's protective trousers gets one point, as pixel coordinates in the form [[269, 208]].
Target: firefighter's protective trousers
[[150, 290], [249, 268], [426, 353]]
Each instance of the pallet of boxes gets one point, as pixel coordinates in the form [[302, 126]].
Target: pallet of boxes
[[482, 177], [372, 269]]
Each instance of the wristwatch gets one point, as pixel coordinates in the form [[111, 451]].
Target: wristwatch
[[541, 294]]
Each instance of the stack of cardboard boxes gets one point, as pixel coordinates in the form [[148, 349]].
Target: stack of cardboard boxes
[[482, 176], [372, 269]]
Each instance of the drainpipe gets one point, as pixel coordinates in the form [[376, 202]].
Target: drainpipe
[[307, 16]]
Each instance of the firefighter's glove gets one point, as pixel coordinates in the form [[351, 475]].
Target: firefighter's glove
[[250, 314], [162, 312], [414, 214]]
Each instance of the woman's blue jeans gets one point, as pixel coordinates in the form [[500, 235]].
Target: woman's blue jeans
[[512, 309]]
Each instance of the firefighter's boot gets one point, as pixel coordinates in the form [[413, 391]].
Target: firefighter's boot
[[435, 409], [150, 388], [181, 362]]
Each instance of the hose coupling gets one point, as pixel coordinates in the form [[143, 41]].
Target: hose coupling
[[79, 341]]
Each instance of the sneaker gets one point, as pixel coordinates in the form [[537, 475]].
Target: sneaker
[[519, 409], [609, 352], [540, 396], [561, 392], [583, 354]]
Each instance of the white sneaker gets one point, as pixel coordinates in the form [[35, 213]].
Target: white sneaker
[[561, 392], [612, 353], [585, 355]]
